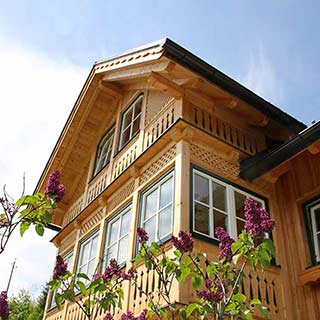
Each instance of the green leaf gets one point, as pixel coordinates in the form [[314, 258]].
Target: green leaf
[[69, 295], [24, 226], [196, 282], [82, 287], [255, 302], [177, 253], [83, 275], [268, 244], [191, 307], [58, 299], [239, 297], [39, 229], [236, 246], [236, 258], [148, 264], [230, 306]]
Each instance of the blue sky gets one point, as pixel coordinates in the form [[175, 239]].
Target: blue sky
[[48, 47]]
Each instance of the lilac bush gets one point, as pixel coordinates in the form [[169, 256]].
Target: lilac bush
[[4, 306]]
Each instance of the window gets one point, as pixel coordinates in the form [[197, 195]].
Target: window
[[130, 124], [157, 209], [117, 237], [217, 204], [68, 259], [312, 210], [104, 151], [87, 255]]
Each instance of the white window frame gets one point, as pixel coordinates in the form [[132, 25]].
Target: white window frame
[[119, 216], [89, 239], [133, 118], [108, 138], [68, 258], [315, 233], [230, 205], [154, 187]]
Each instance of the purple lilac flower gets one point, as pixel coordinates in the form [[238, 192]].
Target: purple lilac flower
[[4, 309], [258, 221], [127, 316], [97, 276], [184, 243], [225, 243], [129, 275], [142, 235], [112, 269], [60, 269], [54, 187], [213, 296], [108, 316], [142, 315]]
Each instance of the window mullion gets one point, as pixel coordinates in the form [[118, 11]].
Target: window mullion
[[211, 214], [157, 214], [314, 233], [118, 237], [231, 208]]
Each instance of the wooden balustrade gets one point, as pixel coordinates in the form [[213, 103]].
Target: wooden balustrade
[[160, 125], [221, 129], [97, 185], [125, 159], [55, 315], [266, 287], [74, 210]]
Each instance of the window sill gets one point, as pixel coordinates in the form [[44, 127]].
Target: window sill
[[310, 276]]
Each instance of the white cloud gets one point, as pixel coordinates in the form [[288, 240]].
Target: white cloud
[[261, 76], [36, 96]]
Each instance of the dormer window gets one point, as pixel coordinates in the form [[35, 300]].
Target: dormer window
[[104, 151], [130, 123]]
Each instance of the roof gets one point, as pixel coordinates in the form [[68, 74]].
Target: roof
[[260, 164]]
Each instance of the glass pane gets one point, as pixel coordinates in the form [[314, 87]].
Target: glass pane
[[125, 137], [83, 269], [220, 220], [201, 189], [239, 199], [84, 254], [219, 196], [136, 126], [165, 222], [127, 118], [137, 107], [166, 193], [125, 224], [201, 218], [91, 268], [111, 253], [150, 227], [93, 251], [114, 229], [317, 218], [123, 250], [240, 226], [151, 204]]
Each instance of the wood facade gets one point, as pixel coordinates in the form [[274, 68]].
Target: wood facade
[[187, 121]]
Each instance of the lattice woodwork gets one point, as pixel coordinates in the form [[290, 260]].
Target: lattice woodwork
[[215, 161], [157, 165], [91, 221], [55, 316], [156, 101], [120, 195], [67, 243]]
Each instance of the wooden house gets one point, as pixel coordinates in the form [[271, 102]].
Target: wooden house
[[158, 138]]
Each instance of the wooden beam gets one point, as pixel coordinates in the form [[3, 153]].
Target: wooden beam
[[314, 148], [110, 89], [165, 85], [225, 102]]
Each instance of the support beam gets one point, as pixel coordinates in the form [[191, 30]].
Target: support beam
[[110, 89], [165, 85]]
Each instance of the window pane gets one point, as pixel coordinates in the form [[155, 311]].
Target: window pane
[[240, 226], [127, 118], [137, 107], [317, 218], [136, 126], [166, 193], [201, 189], [239, 199], [165, 222], [111, 253], [83, 269], [125, 137], [201, 218], [218, 196], [125, 224], [151, 204], [94, 245], [123, 250], [114, 229], [150, 227], [220, 220], [84, 254], [318, 236], [91, 268]]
